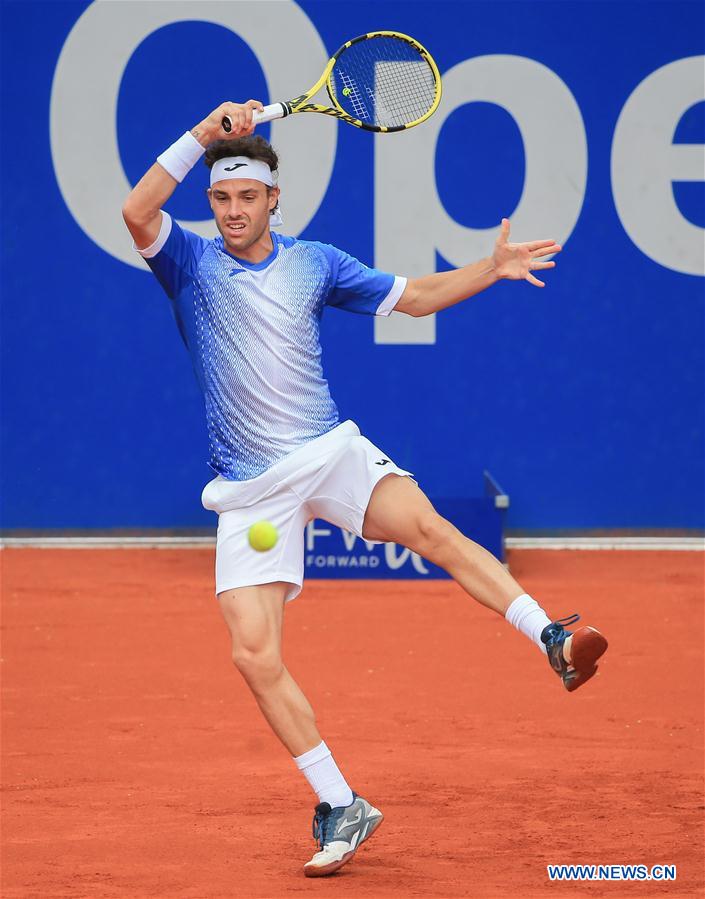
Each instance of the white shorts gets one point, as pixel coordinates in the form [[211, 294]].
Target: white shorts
[[331, 477]]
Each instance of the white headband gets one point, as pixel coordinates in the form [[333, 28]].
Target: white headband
[[244, 167]]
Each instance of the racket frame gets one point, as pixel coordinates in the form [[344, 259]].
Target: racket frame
[[283, 108]]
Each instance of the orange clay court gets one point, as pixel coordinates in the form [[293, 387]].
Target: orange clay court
[[136, 763]]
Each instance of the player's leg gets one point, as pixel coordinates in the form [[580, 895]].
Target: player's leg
[[398, 511], [343, 820], [254, 618]]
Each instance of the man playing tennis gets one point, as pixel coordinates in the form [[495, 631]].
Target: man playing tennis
[[248, 305]]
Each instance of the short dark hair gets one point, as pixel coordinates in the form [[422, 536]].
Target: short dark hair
[[253, 146]]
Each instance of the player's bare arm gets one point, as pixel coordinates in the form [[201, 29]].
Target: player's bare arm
[[142, 209], [513, 261]]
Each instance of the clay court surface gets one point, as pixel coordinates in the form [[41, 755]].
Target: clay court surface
[[135, 762]]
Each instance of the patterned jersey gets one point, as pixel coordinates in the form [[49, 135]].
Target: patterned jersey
[[252, 330]]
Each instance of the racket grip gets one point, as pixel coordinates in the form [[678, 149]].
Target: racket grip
[[273, 111]]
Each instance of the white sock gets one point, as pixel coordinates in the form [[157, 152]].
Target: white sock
[[324, 776], [528, 617]]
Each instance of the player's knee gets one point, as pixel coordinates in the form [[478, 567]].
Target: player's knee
[[259, 667], [435, 535]]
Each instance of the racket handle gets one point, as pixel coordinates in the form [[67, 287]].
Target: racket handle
[[273, 111]]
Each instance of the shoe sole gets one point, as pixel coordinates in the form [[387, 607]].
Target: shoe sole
[[586, 648], [310, 871]]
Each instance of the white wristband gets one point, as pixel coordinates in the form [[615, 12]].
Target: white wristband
[[181, 156]]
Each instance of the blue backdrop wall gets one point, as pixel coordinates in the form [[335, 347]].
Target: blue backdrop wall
[[581, 121]]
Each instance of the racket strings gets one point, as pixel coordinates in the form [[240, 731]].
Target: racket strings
[[354, 97], [384, 81], [407, 102]]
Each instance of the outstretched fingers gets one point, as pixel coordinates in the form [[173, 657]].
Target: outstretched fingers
[[545, 246], [534, 266]]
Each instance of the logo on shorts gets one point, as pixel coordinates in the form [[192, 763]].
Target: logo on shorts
[[383, 462]]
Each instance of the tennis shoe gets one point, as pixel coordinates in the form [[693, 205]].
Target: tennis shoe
[[339, 833], [583, 648]]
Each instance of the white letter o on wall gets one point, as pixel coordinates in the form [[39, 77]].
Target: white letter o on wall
[[84, 96]]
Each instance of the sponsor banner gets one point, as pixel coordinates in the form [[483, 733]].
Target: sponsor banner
[[587, 396]]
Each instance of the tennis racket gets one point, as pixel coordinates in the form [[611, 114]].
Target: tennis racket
[[381, 81]]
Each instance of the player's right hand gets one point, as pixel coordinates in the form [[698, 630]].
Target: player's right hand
[[211, 128]]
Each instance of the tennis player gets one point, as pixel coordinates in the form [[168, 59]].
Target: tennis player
[[248, 305]]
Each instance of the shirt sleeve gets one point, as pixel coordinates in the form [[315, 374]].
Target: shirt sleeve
[[358, 288], [174, 256]]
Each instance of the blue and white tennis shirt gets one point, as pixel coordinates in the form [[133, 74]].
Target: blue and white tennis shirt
[[253, 332]]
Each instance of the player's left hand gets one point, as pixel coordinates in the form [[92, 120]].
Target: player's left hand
[[517, 261]]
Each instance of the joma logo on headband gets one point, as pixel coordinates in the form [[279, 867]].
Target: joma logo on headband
[[231, 168]]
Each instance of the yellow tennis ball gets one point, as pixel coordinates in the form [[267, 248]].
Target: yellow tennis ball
[[262, 536]]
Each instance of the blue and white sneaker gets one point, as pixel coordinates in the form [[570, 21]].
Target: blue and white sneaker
[[573, 655], [339, 833]]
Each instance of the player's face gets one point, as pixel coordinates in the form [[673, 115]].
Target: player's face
[[241, 208]]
